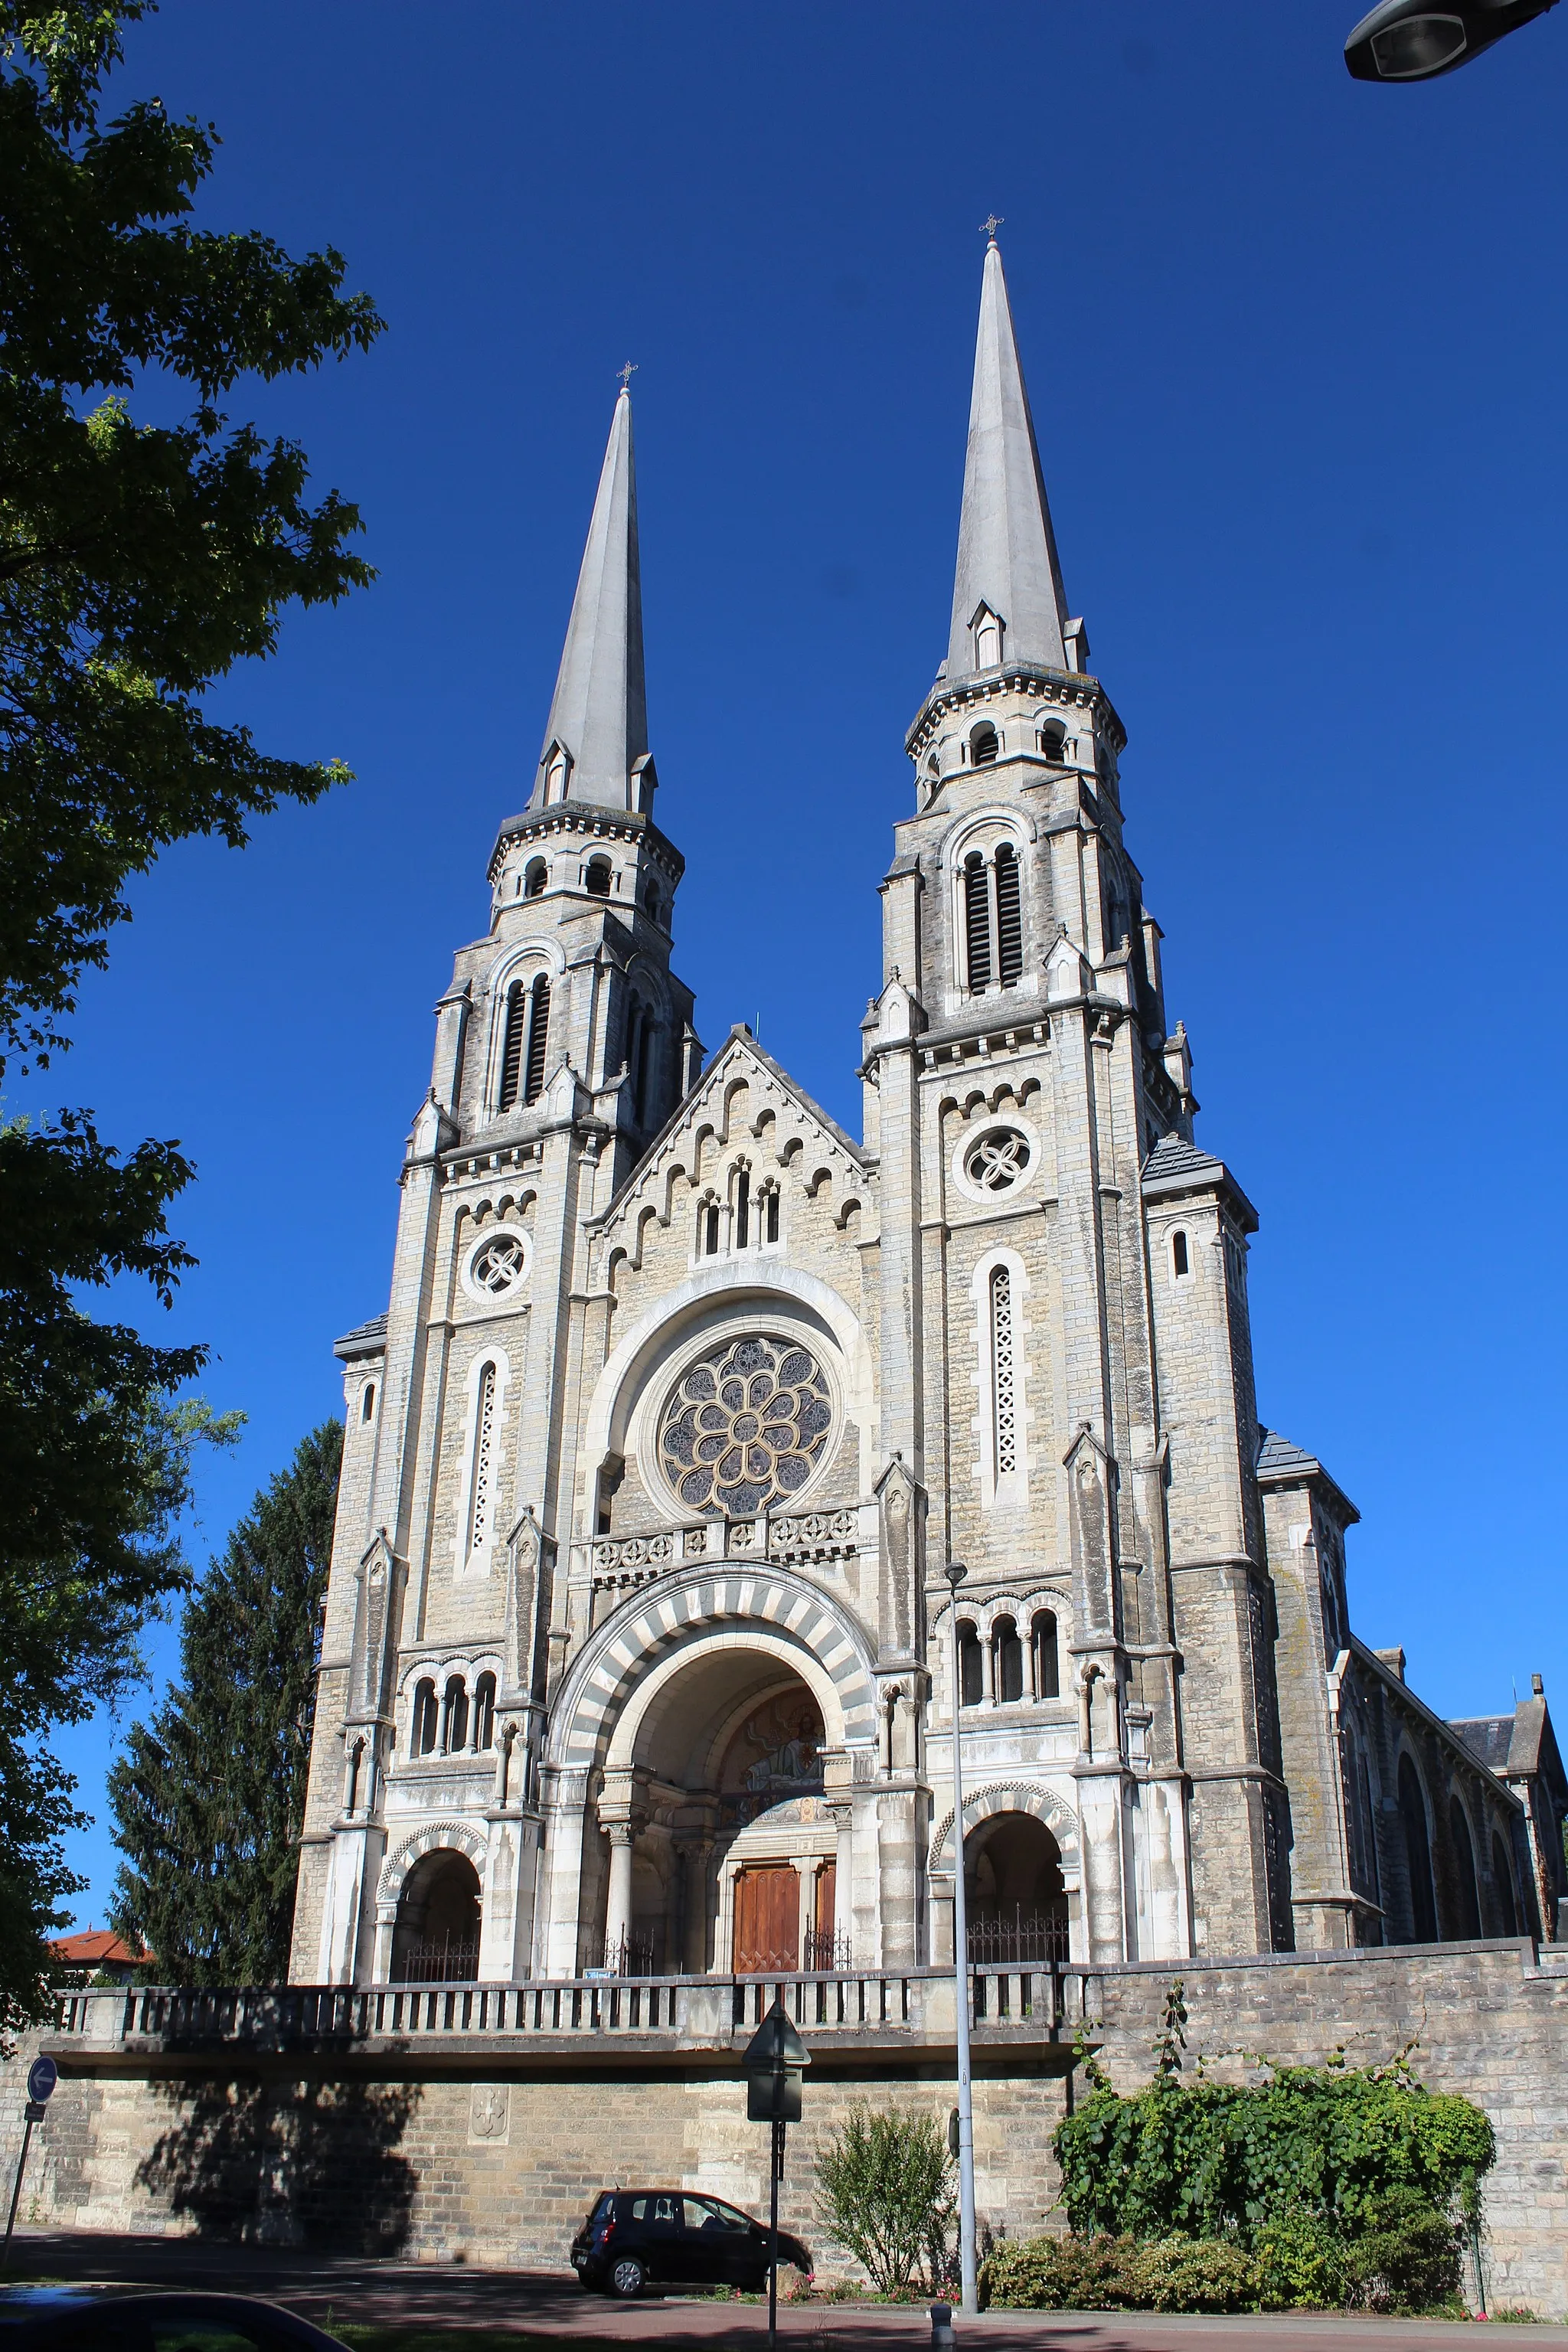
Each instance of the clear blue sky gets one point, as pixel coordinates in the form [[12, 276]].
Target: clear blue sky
[[1296, 352]]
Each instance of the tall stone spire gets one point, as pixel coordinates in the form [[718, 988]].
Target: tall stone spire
[[598, 730], [1007, 550]]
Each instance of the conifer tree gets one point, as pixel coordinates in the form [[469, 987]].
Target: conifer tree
[[209, 1796]]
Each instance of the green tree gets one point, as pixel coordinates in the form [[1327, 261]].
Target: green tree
[[139, 561], [209, 1796], [887, 2195]]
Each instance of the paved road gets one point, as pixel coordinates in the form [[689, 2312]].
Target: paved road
[[549, 2303]]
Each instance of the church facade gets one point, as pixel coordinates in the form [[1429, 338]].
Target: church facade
[[637, 1650]]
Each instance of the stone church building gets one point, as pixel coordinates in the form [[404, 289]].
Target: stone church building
[[636, 1648]]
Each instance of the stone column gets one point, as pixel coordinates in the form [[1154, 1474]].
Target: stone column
[[618, 1910], [695, 1858], [843, 1875]]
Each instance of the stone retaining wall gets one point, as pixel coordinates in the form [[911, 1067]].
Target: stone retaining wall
[[492, 2155]]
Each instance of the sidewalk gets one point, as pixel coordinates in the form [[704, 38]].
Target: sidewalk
[[546, 2304]]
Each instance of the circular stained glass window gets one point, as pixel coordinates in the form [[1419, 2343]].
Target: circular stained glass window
[[745, 1426]]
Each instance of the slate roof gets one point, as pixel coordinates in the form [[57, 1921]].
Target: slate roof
[[1175, 1156], [1490, 1737], [365, 1339], [1277, 1458]]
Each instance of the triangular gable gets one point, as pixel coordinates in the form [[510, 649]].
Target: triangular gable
[[740, 1059]]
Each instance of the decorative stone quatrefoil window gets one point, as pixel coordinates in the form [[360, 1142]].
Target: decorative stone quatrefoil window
[[497, 1264], [998, 1160], [745, 1426]]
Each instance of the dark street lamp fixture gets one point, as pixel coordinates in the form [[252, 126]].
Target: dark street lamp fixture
[[1410, 40]]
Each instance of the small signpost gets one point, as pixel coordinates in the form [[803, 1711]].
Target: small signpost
[[774, 2061], [42, 2076]]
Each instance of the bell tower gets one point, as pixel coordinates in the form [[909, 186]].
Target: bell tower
[[1019, 1077]]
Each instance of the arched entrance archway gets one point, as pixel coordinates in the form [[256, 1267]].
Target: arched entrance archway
[[1014, 1893], [721, 1851], [436, 1939]]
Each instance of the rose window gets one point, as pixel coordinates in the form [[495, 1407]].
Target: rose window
[[746, 1426], [498, 1265], [997, 1159]]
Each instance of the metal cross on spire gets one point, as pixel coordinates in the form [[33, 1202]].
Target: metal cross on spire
[[990, 225], [624, 375]]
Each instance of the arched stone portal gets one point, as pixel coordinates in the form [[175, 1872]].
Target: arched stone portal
[[1015, 1893], [700, 1742], [436, 1939], [718, 1848]]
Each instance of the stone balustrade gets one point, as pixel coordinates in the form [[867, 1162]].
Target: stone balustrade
[[621, 1563], [879, 2008]]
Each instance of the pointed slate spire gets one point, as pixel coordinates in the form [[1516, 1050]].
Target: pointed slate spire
[[598, 730], [1006, 549]]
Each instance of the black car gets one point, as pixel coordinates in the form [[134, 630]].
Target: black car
[[640, 2237], [150, 2319]]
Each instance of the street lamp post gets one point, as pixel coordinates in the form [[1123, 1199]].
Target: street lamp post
[[1415, 40], [956, 1572]]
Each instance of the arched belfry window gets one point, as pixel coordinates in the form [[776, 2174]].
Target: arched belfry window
[[538, 1039], [598, 877], [1009, 916], [485, 1711], [984, 745], [971, 1667], [535, 878], [1054, 742], [993, 915], [525, 1042], [977, 920]]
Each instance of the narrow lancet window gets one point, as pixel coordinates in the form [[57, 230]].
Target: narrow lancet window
[[422, 1738], [971, 1667], [1007, 1661], [742, 1209], [484, 1459], [1004, 1401], [484, 1712], [1045, 1656], [1181, 1263], [771, 1229]]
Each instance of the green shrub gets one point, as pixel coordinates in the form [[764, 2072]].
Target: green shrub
[[1193, 2157], [1406, 2256], [1109, 2274], [887, 2195], [1300, 2262], [1197, 2275]]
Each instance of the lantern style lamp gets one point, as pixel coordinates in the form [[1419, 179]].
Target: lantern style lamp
[[1411, 40]]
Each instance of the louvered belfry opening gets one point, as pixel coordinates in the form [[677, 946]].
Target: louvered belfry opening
[[1009, 916], [538, 1039], [511, 1044], [976, 921]]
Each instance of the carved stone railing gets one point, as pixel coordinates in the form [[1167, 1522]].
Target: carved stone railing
[[878, 2006], [620, 1564]]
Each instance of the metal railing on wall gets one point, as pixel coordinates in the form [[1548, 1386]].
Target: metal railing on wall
[[1018, 1940]]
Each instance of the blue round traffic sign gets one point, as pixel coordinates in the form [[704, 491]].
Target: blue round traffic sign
[[42, 2076]]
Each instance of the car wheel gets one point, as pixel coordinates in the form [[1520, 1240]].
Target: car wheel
[[628, 2277]]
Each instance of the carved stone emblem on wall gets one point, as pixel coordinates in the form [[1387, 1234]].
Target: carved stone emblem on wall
[[490, 2114]]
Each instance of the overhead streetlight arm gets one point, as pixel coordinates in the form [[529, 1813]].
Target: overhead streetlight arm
[[1416, 40]]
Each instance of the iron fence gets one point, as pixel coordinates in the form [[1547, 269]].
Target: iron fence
[[1021, 1940], [454, 1961], [826, 1953]]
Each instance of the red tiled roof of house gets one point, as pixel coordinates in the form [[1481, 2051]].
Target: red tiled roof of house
[[96, 1948]]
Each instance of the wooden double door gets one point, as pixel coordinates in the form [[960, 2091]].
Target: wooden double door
[[767, 1916]]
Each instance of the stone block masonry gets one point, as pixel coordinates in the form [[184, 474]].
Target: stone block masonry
[[490, 2149]]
